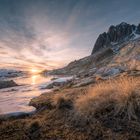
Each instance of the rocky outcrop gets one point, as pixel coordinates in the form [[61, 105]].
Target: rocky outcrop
[[116, 35], [86, 65], [7, 84], [57, 82]]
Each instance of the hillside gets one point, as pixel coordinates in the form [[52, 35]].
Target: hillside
[[122, 55]]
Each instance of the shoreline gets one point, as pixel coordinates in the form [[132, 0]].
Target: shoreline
[[19, 114], [16, 115]]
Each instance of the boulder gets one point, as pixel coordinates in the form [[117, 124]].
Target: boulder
[[59, 82], [84, 82], [111, 72], [7, 84]]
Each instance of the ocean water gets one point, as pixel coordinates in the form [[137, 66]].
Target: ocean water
[[15, 100]]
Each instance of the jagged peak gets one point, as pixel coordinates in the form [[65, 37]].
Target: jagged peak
[[116, 34], [123, 23]]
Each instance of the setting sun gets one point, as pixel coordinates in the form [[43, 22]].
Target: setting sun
[[34, 71]]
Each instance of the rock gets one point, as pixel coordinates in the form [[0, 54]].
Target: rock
[[100, 71], [134, 73], [84, 82], [6, 84], [138, 29], [50, 86], [98, 77], [54, 78], [59, 82], [116, 34], [111, 72], [106, 72]]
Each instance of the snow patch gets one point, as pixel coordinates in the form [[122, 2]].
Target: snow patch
[[58, 80], [136, 36]]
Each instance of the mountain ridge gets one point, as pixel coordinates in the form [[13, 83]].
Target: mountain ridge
[[114, 58], [115, 35]]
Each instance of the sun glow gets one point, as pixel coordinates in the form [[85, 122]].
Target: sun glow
[[34, 79], [35, 71]]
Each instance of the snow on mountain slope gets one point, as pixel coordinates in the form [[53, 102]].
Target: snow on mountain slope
[[116, 35]]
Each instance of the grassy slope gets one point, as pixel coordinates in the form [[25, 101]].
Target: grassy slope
[[105, 110]]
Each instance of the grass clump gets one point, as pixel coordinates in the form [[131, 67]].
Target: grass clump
[[62, 102], [120, 97]]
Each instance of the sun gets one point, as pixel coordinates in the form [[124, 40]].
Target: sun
[[34, 71]]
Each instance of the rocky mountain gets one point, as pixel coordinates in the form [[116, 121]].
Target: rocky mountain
[[114, 52], [9, 73], [116, 35]]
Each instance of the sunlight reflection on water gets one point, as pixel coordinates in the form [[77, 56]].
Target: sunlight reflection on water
[[16, 99], [34, 79]]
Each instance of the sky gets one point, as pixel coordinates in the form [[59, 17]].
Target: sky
[[48, 34]]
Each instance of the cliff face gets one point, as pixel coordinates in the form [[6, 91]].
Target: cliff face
[[116, 35]]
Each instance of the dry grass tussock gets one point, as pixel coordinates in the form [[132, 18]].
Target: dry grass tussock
[[120, 97], [62, 102], [110, 110]]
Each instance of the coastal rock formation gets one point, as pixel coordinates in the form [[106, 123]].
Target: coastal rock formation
[[7, 84], [9, 73]]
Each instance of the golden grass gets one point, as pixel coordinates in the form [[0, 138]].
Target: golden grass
[[109, 110], [121, 95], [62, 102]]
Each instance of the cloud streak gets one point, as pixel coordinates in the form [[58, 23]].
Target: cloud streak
[[50, 33]]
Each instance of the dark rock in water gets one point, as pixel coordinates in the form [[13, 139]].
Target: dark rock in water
[[6, 84], [116, 34]]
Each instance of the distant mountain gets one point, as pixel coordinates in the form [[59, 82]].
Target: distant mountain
[[116, 35], [114, 52], [8, 73]]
